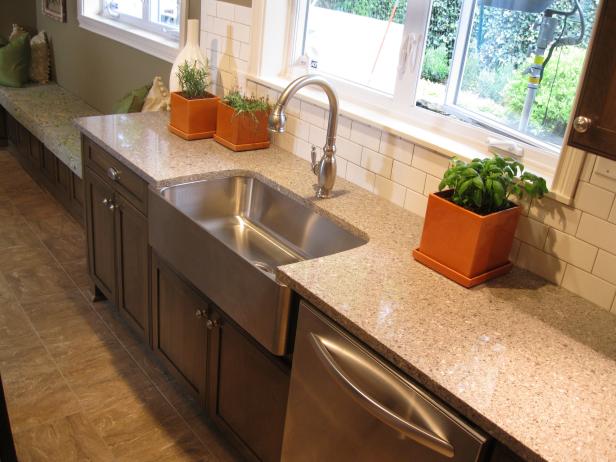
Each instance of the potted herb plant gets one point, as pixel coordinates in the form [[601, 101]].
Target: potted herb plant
[[242, 122], [469, 227], [193, 109]]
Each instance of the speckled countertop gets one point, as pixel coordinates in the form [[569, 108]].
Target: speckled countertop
[[530, 363]]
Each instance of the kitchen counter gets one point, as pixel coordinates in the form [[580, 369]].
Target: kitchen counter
[[531, 363]]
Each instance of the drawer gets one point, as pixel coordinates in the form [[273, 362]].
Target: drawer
[[129, 184]]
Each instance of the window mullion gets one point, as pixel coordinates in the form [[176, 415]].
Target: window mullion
[[411, 53], [457, 62], [146, 10]]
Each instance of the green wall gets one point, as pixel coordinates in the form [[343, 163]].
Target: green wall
[[17, 11]]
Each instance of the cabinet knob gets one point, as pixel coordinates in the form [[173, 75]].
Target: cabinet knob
[[112, 206], [105, 201], [113, 174], [199, 313], [212, 324], [581, 124]]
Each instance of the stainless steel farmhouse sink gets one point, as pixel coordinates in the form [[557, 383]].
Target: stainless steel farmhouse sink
[[227, 236]]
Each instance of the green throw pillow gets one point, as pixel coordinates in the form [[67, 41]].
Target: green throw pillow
[[133, 102], [15, 61]]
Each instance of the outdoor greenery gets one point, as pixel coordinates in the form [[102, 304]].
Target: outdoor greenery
[[553, 101], [194, 79], [436, 65], [484, 186], [242, 104]]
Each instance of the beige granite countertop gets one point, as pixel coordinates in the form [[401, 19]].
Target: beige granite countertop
[[530, 363]]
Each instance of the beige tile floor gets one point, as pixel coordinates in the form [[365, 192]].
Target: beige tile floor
[[79, 385]]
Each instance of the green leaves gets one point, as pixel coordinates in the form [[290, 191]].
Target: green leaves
[[194, 79], [485, 185]]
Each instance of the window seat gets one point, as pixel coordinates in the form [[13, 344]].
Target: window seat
[[47, 112]]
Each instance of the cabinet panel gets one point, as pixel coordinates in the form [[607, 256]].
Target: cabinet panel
[[179, 327], [35, 151], [132, 254], [100, 231], [248, 391], [599, 89], [48, 165], [3, 127]]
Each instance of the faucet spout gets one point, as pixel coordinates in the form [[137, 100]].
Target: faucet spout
[[325, 169]]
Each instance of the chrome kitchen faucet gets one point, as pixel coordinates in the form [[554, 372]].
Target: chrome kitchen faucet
[[325, 168]]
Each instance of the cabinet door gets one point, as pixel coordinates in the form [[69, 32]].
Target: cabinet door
[[248, 391], [100, 234], [596, 101], [179, 316], [133, 270]]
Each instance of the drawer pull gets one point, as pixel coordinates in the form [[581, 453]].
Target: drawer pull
[[113, 174]]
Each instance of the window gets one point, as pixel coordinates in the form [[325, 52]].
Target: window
[[158, 16], [152, 26], [507, 66]]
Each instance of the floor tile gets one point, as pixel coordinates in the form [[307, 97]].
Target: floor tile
[[69, 439], [29, 284]]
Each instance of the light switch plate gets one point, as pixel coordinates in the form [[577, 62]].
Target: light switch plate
[[606, 167]]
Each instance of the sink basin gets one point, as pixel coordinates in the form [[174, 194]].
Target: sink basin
[[228, 235]]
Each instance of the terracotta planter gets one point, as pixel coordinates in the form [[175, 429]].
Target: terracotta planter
[[464, 246], [241, 132], [193, 119]]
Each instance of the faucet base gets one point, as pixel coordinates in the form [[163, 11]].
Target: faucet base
[[323, 193]]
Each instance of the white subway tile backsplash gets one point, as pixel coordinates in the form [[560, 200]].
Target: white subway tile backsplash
[[341, 167], [298, 127], [208, 24], [389, 190], [312, 114], [360, 176], [348, 150], [431, 185], [396, 147], [317, 136], [408, 176], [598, 232], [211, 7], [245, 51], [416, 203], [593, 199], [344, 127], [243, 15], [365, 135], [515, 250], [555, 214], [293, 107], [225, 10], [541, 263], [605, 266], [588, 286], [377, 163], [531, 232], [599, 179], [429, 161], [572, 250]]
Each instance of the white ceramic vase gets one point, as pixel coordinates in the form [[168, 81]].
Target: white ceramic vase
[[191, 53]]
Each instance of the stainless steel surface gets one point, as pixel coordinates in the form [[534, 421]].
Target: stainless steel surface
[[324, 347], [325, 168], [346, 404], [581, 124], [113, 174], [228, 235]]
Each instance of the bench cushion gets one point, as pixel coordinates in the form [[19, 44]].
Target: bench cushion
[[48, 111]]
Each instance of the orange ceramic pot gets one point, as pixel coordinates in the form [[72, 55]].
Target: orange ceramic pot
[[193, 119], [464, 246], [241, 132]]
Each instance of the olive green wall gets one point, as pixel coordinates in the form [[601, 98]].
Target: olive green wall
[[17, 11]]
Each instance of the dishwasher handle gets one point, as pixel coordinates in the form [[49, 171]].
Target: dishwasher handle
[[417, 434]]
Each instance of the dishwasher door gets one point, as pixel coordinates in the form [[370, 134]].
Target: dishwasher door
[[345, 404]]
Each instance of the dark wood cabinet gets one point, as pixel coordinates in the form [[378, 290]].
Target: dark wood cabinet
[[118, 250], [179, 327], [248, 390], [132, 252], [3, 127], [594, 127], [100, 228]]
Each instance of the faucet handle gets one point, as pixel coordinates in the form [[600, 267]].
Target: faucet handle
[[313, 154]]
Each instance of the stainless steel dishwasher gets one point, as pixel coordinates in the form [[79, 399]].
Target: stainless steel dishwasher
[[345, 404]]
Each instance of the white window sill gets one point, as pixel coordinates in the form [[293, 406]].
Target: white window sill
[[435, 138], [134, 37]]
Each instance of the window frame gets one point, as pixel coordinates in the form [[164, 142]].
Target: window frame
[[137, 33], [561, 168]]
